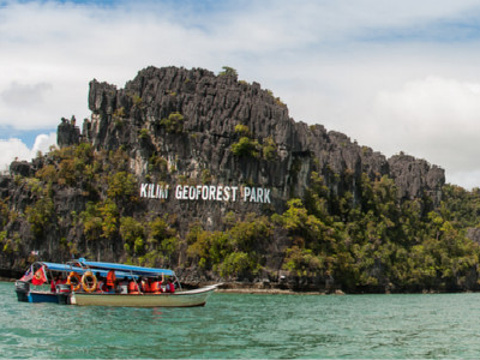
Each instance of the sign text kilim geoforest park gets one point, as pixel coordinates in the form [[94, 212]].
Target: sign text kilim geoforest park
[[207, 193]]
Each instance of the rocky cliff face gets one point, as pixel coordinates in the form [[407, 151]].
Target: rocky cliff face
[[191, 118]]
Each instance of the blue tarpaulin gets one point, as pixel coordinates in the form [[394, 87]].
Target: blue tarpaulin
[[124, 270]]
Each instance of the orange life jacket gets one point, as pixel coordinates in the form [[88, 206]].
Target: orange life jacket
[[111, 278], [156, 287], [132, 287]]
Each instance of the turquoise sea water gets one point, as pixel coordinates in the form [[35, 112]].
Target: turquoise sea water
[[248, 326]]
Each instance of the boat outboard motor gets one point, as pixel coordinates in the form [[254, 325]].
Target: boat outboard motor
[[63, 293], [22, 289]]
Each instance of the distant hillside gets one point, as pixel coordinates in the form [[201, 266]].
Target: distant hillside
[[209, 175]]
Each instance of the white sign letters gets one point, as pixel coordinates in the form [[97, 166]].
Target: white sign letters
[[207, 193]]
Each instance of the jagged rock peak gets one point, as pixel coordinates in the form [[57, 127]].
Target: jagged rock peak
[[68, 133], [416, 177], [208, 102], [208, 109]]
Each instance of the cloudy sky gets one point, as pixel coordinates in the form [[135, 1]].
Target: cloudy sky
[[392, 75]]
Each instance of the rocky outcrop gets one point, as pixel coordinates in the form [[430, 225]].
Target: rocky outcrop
[[416, 178], [22, 168], [68, 133], [209, 110]]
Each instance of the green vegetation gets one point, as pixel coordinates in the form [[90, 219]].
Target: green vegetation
[[359, 238], [137, 101], [119, 117], [228, 71], [278, 101], [174, 123], [242, 130], [246, 147], [151, 243], [379, 243], [269, 149], [237, 252], [143, 134]]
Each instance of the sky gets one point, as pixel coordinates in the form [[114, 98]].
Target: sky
[[396, 76]]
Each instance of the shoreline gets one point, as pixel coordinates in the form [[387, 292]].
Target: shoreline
[[269, 291]]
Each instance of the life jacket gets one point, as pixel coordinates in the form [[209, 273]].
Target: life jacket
[[146, 287], [111, 279], [170, 288], [132, 287], [156, 287]]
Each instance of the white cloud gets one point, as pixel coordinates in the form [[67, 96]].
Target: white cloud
[[18, 95], [14, 149], [43, 142], [434, 118], [392, 75]]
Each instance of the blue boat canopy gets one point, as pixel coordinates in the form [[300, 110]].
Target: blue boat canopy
[[125, 270], [67, 268], [61, 267]]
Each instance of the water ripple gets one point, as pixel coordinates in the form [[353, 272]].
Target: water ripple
[[248, 326]]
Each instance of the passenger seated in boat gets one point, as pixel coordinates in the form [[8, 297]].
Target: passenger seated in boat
[[122, 286], [101, 285], [53, 283], [145, 285], [156, 287], [170, 286], [133, 287], [150, 284], [62, 280]]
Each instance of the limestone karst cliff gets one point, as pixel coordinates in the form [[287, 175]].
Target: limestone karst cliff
[[191, 118]]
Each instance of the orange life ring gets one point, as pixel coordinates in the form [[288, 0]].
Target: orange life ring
[[76, 283], [89, 282]]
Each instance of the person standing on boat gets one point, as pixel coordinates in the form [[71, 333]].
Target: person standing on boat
[[111, 279]]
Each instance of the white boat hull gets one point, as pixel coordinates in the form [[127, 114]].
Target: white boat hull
[[188, 298]]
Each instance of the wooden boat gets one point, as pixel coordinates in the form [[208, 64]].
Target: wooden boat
[[185, 298], [91, 296], [35, 286]]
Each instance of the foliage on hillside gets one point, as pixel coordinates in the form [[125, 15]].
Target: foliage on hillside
[[379, 244]]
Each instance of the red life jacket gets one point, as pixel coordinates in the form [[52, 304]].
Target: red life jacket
[[170, 288], [146, 287]]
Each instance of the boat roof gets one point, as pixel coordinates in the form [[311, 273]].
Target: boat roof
[[69, 267], [123, 269], [61, 267]]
